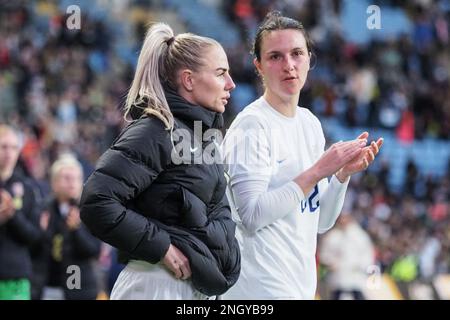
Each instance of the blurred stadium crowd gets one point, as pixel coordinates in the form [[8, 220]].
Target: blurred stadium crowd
[[64, 89]]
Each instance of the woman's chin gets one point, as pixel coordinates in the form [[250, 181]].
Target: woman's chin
[[220, 109], [291, 92]]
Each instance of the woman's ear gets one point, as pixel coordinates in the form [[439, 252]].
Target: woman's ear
[[258, 66], [309, 61], [312, 60], [187, 81]]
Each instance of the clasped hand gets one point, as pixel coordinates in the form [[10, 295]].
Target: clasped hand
[[346, 158]]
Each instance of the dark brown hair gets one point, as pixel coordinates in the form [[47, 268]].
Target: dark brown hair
[[274, 20]]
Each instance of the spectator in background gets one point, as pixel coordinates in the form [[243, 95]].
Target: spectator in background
[[429, 254], [347, 251], [66, 241], [19, 221]]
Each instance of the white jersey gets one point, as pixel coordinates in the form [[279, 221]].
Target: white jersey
[[277, 224]]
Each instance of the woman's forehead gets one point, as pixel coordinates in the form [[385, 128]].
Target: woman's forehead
[[216, 57], [282, 40], [9, 138]]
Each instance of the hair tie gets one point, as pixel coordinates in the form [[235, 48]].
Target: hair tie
[[170, 40]]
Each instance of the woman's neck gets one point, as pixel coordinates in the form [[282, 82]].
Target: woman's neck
[[286, 107]]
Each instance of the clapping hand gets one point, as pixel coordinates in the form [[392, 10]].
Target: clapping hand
[[362, 161]]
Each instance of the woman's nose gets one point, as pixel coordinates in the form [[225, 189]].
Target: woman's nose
[[230, 84], [289, 64]]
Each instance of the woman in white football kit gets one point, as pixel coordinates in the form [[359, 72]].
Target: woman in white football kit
[[274, 154]]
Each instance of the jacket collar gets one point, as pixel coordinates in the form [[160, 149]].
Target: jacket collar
[[184, 111], [187, 112]]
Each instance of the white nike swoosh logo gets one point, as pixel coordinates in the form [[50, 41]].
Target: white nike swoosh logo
[[193, 150]]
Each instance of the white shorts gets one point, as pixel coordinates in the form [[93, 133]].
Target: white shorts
[[141, 280]]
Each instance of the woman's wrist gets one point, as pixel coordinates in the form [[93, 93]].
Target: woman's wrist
[[341, 176], [308, 179]]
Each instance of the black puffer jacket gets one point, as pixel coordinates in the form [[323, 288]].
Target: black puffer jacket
[[140, 201]]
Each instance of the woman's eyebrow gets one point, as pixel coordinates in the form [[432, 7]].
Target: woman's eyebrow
[[279, 52]]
